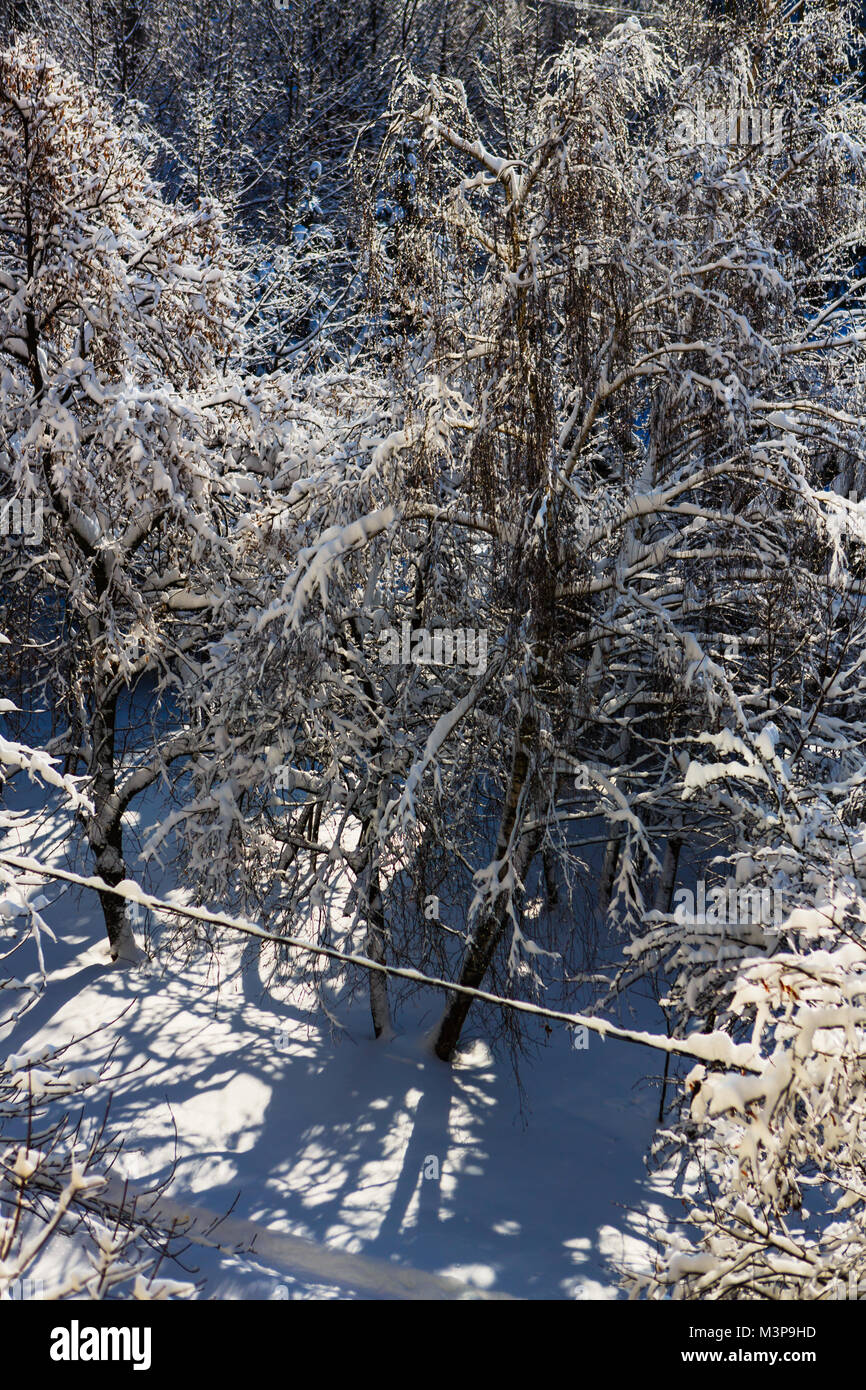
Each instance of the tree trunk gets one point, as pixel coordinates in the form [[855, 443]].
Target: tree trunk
[[105, 828], [374, 949], [368, 887], [664, 896], [608, 873], [668, 877], [488, 933]]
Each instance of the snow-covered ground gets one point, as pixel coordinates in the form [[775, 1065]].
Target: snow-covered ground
[[347, 1167]]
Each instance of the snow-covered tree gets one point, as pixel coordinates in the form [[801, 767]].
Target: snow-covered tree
[[622, 403], [654, 395], [115, 426]]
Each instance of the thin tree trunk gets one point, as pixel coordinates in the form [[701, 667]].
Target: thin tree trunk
[[668, 877], [608, 873], [551, 887], [374, 949], [664, 895], [488, 933], [105, 828], [365, 865]]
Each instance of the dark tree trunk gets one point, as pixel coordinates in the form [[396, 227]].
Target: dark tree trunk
[[105, 828], [374, 949], [489, 931]]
